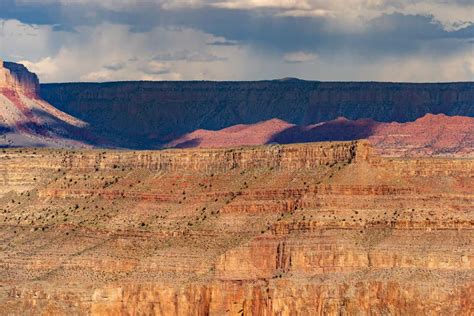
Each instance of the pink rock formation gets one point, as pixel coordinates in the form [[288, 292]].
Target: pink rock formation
[[25, 119], [431, 135], [17, 77], [237, 135]]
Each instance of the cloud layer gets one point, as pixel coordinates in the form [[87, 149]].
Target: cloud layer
[[88, 40]]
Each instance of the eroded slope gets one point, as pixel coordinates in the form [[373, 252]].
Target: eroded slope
[[321, 228]]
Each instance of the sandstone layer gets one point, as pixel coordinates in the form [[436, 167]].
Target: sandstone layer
[[309, 229]]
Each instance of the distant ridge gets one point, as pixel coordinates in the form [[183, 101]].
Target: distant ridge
[[289, 79], [395, 117], [431, 135]]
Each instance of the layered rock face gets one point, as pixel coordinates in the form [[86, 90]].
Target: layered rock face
[[320, 228], [17, 77], [27, 120], [163, 111]]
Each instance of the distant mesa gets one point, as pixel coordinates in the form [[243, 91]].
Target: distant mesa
[[394, 117], [148, 115], [289, 79]]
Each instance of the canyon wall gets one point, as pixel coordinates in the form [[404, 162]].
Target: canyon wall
[[151, 115], [16, 172], [308, 229], [163, 111]]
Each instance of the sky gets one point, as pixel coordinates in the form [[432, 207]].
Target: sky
[[333, 40]]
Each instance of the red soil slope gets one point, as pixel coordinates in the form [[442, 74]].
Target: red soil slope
[[431, 135]]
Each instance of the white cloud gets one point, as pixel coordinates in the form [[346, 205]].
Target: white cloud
[[451, 14], [420, 67], [24, 40], [299, 57], [111, 52], [108, 4], [97, 76], [178, 4], [155, 68], [44, 68], [308, 13], [459, 67], [114, 66], [252, 4]]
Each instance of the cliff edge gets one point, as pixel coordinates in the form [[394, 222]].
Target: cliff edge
[[17, 77], [26, 120]]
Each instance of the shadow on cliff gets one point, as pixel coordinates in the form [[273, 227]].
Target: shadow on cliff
[[127, 113], [62, 129], [195, 142], [5, 129], [340, 129]]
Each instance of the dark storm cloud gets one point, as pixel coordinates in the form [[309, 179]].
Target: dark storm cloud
[[387, 34], [54, 14], [67, 17], [223, 42], [196, 38], [186, 55]]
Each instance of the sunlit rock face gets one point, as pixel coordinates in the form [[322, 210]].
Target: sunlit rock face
[[16, 77], [27, 120], [432, 135], [309, 229]]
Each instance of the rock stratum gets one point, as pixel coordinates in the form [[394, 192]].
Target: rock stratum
[[165, 111], [26, 120], [308, 229], [431, 135]]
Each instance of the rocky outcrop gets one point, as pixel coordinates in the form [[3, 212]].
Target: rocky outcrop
[[320, 228], [27, 120], [163, 111], [17, 77]]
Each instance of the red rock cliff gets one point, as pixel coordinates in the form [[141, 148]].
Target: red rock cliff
[[17, 77], [314, 229]]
